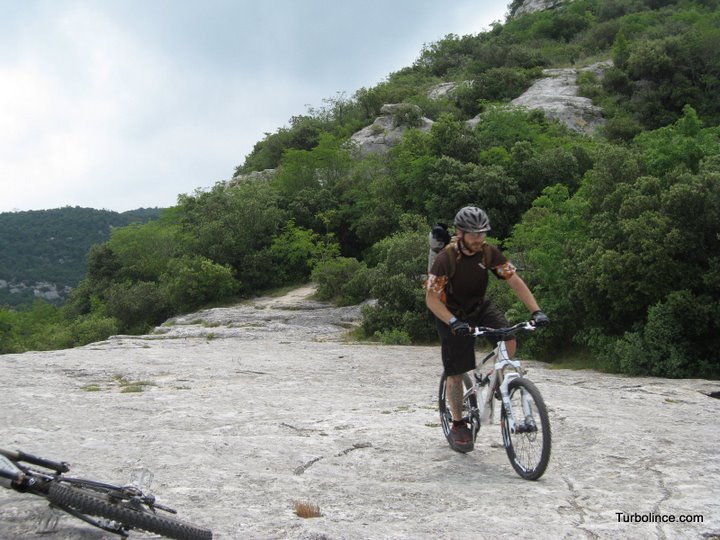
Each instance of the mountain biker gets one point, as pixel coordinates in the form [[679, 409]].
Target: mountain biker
[[455, 294]]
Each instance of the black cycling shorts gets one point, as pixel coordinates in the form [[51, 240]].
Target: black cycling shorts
[[458, 352]]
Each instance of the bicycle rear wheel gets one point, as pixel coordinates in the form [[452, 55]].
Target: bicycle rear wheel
[[529, 447], [92, 502], [470, 408]]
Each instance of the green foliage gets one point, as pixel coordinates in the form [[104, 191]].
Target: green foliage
[[616, 265], [397, 276], [407, 114], [683, 143], [92, 328], [137, 305], [193, 281], [44, 327], [674, 342], [143, 251], [296, 251], [344, 280], [319, 168], [231, 226], [618, 239], [51, 245], [393, 337]]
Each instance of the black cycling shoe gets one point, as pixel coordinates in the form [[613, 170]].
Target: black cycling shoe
[[462, 440]]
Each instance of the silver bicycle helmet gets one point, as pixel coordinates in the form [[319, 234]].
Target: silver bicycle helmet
[[472, 219]]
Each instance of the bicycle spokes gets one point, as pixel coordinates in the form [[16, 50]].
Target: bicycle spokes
[[526, 429]]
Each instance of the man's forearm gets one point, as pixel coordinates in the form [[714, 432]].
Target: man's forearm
[[434, 304], [523, 293]]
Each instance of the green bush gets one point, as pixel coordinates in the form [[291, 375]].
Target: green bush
[[397, 284], [191, 281], [622, 128], [407, 114], [296, 251], [342, 279], [136, 305], [94, 327], [674, 341]]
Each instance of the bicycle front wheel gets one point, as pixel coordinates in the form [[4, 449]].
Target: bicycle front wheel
[[529, 446], [93, 503]]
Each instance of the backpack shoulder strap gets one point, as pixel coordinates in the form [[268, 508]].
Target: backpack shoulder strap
[[487, 256], [452, 252]]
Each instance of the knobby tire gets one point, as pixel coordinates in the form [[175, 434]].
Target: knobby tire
[[443, 408], [90, 502], [522, 448]]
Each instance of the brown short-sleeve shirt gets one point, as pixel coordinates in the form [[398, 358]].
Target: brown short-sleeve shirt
[[469, 284]]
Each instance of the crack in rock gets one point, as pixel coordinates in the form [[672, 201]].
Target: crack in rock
[[302, 468], [305, 432], [579, 510], [666, 495]]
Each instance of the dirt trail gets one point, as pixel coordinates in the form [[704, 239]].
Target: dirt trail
[[245, 410]]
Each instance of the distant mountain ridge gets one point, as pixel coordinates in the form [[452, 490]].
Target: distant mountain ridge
[[43, 253]]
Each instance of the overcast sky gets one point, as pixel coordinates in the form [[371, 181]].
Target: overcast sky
[[122, 104]]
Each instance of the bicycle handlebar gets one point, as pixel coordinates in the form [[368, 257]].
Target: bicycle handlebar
[[19, 455], [526, 326]]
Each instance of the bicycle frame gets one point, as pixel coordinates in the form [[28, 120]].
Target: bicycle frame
[[15, 475], [505, 370]]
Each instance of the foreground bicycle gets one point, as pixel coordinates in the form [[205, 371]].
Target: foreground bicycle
[[524, 420], [120, 508]]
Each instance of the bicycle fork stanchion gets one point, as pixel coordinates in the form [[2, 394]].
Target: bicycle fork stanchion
[[505, 394]]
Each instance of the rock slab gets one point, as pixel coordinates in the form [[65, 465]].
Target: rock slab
[[246, 410]]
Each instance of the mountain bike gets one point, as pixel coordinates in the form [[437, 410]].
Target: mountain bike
[[116, 509], [524, 420]]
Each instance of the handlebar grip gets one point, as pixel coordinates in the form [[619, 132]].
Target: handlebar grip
[[9, 472]]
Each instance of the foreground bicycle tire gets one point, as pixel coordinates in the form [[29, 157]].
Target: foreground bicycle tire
[[469, 406], [90, 502], [529, 452]]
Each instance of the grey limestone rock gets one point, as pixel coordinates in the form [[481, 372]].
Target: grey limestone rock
[[532, 6], [385, 132], [246, 410], [556, 95]]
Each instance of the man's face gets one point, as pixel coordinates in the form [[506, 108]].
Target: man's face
[[472, 242]]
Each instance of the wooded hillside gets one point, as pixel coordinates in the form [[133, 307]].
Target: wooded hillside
[[616, 234], [50, 246]]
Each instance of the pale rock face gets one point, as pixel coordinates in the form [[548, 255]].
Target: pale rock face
[[383, 134], [441, 90], [446, 89], [255, 176], [532, 6], [40, 289], [556, 95]]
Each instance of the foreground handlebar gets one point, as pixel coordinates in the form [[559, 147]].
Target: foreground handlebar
[[526, 326], [19, 455]]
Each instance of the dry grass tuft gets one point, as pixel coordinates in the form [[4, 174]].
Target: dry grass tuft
[[307, 510]]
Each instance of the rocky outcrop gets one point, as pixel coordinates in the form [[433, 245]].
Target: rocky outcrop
[[387, 130], [255, 176], [41, 289], [557, 95], [532, 6], [441, 90]]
